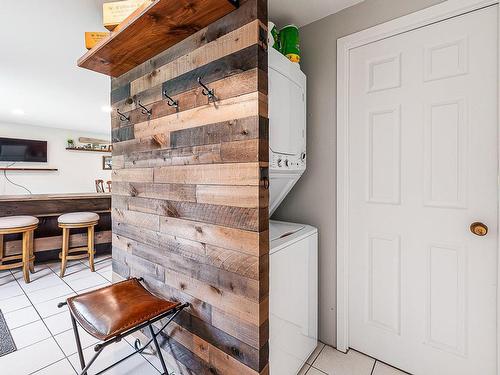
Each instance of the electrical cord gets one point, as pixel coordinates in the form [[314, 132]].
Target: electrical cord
[[13, 183]]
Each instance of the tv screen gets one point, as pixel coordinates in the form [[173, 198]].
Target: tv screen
[[12, 149]]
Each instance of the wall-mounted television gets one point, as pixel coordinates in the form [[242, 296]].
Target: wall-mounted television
[[14, 150]]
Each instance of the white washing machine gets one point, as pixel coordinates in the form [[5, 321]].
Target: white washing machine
[[293, 296], [293, 260]]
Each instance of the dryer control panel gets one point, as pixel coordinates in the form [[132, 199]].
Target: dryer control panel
[[287, 162]]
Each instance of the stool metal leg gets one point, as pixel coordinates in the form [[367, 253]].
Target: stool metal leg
[[78, 343], [26, 257], [158, 350]]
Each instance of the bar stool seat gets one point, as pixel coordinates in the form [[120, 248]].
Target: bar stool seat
[[105, 313], [76, 220], [10, 222], [26, 226]]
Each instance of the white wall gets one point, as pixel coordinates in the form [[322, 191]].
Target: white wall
[[312, 200], [77, 170]]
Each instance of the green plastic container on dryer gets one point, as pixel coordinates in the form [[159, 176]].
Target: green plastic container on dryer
[[274, 36], [290, 42]]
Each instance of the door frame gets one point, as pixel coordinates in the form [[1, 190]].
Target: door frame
[[422, 18]]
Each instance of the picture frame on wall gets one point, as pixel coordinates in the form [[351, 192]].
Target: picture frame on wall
[[107, 162]]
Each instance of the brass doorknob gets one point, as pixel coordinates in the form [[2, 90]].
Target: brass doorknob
[[479, 229]]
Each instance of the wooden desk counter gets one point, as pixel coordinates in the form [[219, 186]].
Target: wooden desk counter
[[47, 208]]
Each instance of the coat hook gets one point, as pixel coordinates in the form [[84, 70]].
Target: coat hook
[[171, 102], [123, 117], [144, 110], [207, 91]]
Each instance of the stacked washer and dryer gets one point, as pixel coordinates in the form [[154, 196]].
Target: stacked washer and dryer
[[293, 268]]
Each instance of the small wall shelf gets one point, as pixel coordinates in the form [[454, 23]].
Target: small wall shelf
[[87, 150], [145, 34], [29, 169]]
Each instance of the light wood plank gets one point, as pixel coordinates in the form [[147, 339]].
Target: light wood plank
[[236, 174]]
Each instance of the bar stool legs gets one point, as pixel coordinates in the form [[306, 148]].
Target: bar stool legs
[[90, 245], [64, 250], [83, 252], [24, 225]]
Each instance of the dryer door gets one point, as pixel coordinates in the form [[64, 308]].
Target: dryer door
[[286, 114]]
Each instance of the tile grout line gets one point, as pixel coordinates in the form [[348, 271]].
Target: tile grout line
[[373, 368], [315, 359], [50, 332], [321, 351]]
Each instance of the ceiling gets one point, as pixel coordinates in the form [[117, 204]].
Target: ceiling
[[303, 12], [41, 41], [40, 83]]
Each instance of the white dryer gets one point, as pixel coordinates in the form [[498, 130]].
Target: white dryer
[[287, 126]]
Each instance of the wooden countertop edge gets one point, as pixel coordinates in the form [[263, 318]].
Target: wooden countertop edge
[[49, 197]]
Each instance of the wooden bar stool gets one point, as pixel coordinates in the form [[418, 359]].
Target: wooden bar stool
[[26, 226], [75, 220]]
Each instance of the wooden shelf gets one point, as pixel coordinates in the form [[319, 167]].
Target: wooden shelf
[[87, 150], [145, 34], [29, 169]]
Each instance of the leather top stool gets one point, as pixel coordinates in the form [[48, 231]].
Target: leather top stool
[[19, 224], [116, 311], [75, 220]]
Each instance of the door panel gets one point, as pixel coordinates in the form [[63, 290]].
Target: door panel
[[423, 167]]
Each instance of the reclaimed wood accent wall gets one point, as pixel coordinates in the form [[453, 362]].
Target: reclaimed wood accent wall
[[48, 236], [190, 199]]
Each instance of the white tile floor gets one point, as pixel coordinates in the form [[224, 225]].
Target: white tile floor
[[327, 360], [43, 333], [46, 345]]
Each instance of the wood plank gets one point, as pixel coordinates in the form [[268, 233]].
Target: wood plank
[[227, 44], [170, 192], [134, 145], [236, 174], [133, 175], [137, 38], [239, 107], [139, 219], [229, 238], [221, 132], [237, 196]]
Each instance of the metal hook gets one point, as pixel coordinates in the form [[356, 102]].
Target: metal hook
[[144, 110], [123, 117], [207, 91], [171, 102]]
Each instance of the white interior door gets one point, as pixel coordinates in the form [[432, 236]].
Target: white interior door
[[423, 167]]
